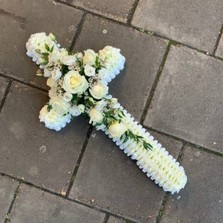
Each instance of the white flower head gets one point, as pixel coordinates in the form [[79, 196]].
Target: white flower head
[[56, 74], [53, 119], [59, 105], [117, 129], [112, 59], [69, 60], [81, 108], [89, 57], [103, 72], [75, 83], [89, 70], [95, 116], [100, 105], [46, 72], [51, 83], [75, 111], [99, 90], [67, 96]]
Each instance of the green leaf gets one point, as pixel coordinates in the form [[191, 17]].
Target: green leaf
[[45, 54], [51, 50], [47, 47], [49, 107]]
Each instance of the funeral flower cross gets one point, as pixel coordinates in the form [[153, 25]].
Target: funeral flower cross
[[78, 84]]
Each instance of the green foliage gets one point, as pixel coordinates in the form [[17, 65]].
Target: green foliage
[[129, 135], [49, 107]]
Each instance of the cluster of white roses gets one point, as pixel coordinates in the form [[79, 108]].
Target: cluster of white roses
[[78, 84], [72, 78]]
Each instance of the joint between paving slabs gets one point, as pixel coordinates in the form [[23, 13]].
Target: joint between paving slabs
[[162, 208], [75, 170], [184, 142], [12, 79], [132, 11], [78, 31], [7, 216], [218, 40], [159, 72], [5, 94], [22, 181]]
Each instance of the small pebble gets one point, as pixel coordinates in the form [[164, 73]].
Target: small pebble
[[42, 149], [179, 197], [105, 31], [197, 154]]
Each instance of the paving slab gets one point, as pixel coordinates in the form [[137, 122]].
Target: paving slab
[[36, 206], [188, 101], [196, 23], [107, 178], [219, 51], [116, 9], [32, 152], [143, 56], [18, 20], [115, 220], [3, 86], [202, 199], [7, 190]]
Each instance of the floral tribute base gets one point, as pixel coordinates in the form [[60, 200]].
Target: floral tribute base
[[78, 84]]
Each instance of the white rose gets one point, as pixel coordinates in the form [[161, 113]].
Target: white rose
[[117, 129], [89, 57], [99, 90], [67, 96], [75, 83], [89, 70], [69, 60], [56, 74], [95, 116]]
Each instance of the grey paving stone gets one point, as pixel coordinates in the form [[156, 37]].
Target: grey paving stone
[[115, 220], [109, 179], [219, 51], [187, 102], [7, 190], [116, 9], [36, 206], [3, 85], [202, 199], [31, 151], [18, 20], [196, 23], [143, 54]]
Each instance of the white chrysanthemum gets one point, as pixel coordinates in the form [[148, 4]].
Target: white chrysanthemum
[[36, 46], [52, 119], [59, 105], [112, 60]]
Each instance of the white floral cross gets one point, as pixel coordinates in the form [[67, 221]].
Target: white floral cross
[[78, 84]]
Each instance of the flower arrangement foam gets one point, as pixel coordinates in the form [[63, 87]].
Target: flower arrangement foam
[[78, 84]]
